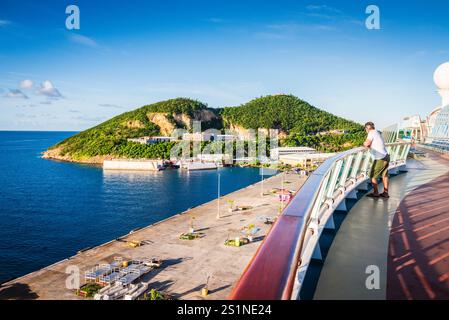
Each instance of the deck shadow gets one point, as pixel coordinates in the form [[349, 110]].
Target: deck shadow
[[161, 285], [417, 264], [17, 291], [219, 288], [194, 289]]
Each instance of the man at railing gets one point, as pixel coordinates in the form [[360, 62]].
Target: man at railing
[[379, 168]]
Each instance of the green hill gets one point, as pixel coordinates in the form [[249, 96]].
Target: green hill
[[287, 113], [299, 124]]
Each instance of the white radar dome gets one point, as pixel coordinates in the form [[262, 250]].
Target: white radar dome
[[441, 76]]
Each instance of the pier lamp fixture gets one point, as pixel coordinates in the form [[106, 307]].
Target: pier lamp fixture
[[218, 195]]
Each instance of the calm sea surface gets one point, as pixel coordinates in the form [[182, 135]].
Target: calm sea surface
[[49, 209]]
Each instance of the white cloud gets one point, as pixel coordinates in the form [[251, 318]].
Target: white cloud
[[47, 89], [108, 105], [322, 8], [270, 35], [4, 23], [295, 27], [215, 20], [80, 39], [89, 119], [26, 84], [290, 29], [16, 94], [332, 15], [25, 115], [31, 105]]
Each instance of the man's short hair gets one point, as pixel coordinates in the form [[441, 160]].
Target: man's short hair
[[370, 125]]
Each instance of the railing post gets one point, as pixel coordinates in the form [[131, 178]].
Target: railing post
[[335, 173], [396, 152], [347, 167], [356, 166], [319, 199], [405, 152], [366, 163]]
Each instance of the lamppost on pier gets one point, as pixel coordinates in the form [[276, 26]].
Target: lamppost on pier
[[218, 196]]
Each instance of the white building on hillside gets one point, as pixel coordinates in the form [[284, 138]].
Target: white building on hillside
[[226, 137], [198, 136], [151, 140]]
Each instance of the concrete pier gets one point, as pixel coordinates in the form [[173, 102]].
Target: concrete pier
[[186, 263]]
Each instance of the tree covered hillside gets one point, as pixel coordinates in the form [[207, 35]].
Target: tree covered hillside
[[287, 113], [301, 123]]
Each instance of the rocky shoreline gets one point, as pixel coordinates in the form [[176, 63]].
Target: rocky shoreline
[[54, 154]]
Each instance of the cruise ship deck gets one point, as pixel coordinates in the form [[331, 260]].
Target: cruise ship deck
[[406, 237]]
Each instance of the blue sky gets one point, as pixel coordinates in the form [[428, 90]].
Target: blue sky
[[223, 53]]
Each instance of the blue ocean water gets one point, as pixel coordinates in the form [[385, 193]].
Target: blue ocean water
[[50, 209]]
